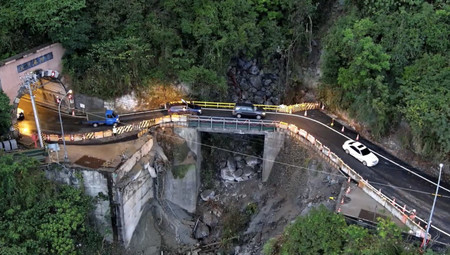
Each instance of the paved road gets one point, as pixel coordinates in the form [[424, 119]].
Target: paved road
[[395, 178]]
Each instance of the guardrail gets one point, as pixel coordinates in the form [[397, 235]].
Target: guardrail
[[274, 108], [389, 204], [183, 120], [224, 123]]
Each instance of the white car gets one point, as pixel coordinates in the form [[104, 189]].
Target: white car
[[360, 152]]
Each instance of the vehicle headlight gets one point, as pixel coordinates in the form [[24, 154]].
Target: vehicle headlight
[[263, 114]]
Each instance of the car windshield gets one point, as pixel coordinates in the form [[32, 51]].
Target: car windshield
[[365, 152]]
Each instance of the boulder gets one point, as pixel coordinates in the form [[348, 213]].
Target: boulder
[[258, 100], [238, 173], [275, 100], [254, 70], [260, 93], [226, 174], [202, 231], [252, 161], [244, 84], [256, 82], [240, 164], [207, 195], [244, 95], [231, 163], [210, 219], [248, 171]]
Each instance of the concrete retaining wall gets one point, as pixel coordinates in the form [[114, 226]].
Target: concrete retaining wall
[[94, 183], [132, 189]]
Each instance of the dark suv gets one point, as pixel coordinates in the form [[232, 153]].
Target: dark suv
[[248, 110], [185, 109]]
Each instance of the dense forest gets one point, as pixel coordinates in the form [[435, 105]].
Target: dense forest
[[386, 62], [38, 216], [331, 234]]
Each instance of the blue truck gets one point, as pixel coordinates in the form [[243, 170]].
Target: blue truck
[[109, 118]]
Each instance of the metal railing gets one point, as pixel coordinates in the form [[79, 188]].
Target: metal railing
[[273, 108], [224, 123], [181, 120]]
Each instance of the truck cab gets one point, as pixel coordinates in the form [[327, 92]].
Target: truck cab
[[109, 118]]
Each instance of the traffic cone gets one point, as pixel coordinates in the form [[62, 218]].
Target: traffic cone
[[349, 179], [73, 112], [347, 191], [342, 130], [342, 200], [357, 137], [306, 113]]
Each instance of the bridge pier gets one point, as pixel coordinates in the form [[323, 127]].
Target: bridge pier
[[273, 142]]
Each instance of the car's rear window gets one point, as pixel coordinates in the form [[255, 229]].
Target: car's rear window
[[365, 152]]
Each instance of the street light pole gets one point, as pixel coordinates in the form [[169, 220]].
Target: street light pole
[[36, 118], [434, 203], [66, 157]]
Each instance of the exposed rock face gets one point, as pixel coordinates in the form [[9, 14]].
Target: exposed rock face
[[207, 195], [201, 231], [239, 169], [249, 84]]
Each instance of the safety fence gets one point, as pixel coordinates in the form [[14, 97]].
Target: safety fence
[[389, 204], [232, 124], [182, 120], [272, 108]]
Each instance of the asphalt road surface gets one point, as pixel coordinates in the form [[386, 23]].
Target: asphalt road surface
[[396, 179]]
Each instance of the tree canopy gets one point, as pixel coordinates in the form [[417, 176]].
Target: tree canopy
[[388, 61], [324, 232], [41, 217], [114, 47]]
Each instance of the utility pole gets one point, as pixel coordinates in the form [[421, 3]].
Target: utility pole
[[36, 118], [432, 208]]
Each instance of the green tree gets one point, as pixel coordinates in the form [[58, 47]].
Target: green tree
[[319, 232], [41, 217], [5, 113], [324, 232], [426, 89]]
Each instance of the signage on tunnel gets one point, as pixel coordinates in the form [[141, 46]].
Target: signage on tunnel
[[34, 62]]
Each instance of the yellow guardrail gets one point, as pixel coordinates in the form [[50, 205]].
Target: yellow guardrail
[[275, 108]]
